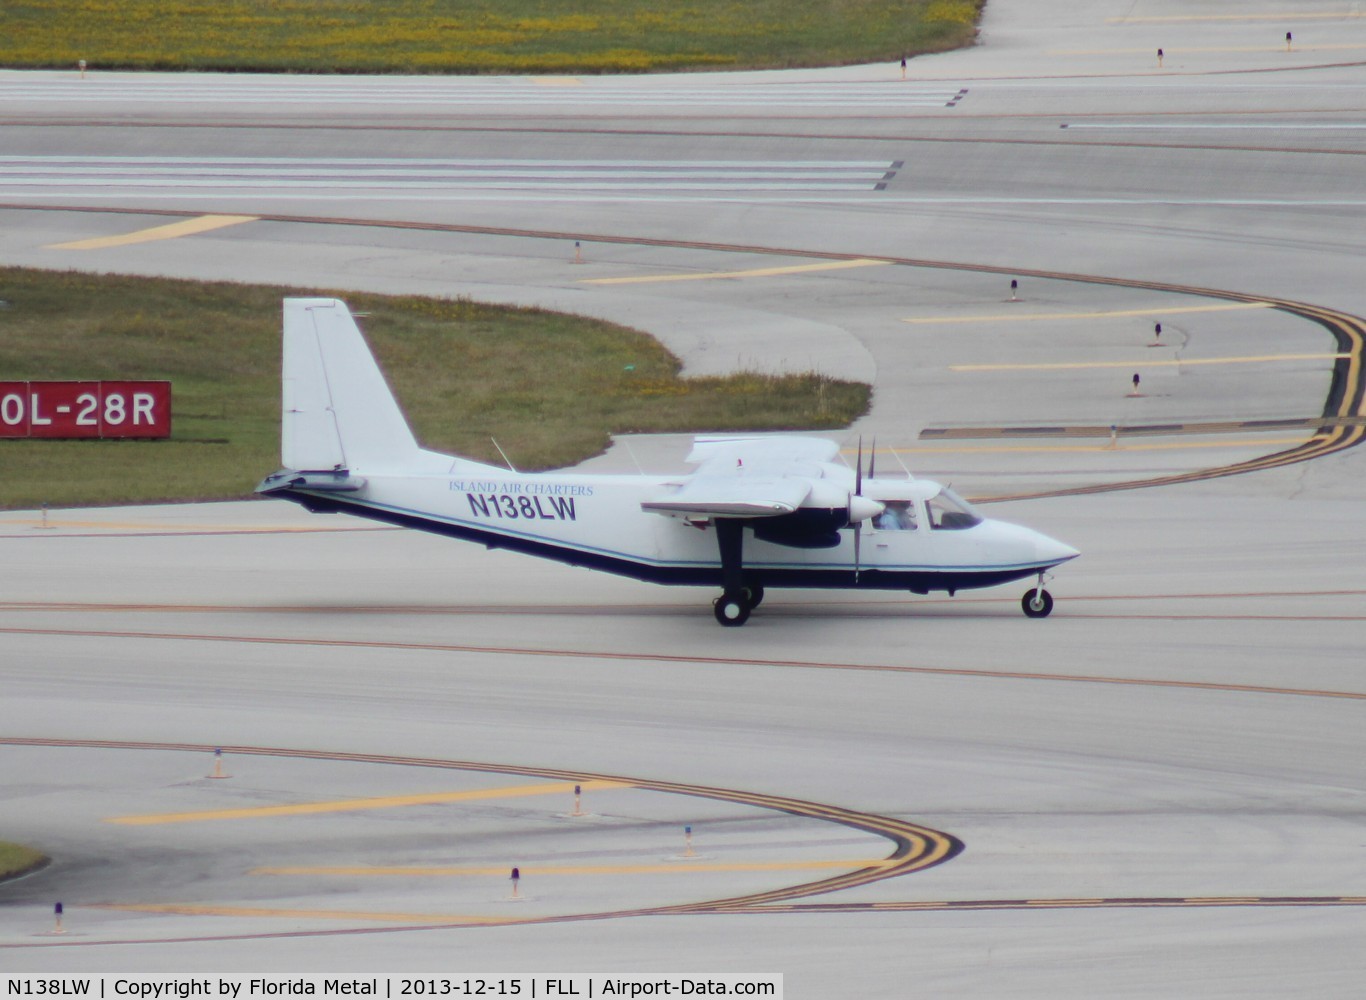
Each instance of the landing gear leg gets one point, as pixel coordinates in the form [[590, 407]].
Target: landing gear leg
[[1037, 603], [732, 608]]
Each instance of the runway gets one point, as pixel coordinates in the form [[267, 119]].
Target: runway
[[1156, 791]]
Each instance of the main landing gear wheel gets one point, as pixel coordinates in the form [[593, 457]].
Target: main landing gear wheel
[[1037, 603], [731, 611], [754, 595]]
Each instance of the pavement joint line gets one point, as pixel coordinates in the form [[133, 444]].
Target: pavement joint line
[[1251, 359], [170, 231], [357, 805], [210, 910], [759, 272], [56, 522], [676, 658], [681, 867], [1025, 317]]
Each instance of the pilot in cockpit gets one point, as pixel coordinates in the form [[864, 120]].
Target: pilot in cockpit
[[898, 515]]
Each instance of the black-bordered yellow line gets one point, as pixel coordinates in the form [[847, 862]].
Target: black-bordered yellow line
[[915, 847], [684, 866], [1115, 902]]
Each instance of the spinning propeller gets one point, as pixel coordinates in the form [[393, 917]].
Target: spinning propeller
[[860, 507]]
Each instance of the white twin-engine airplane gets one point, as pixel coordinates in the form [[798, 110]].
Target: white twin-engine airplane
[[757, 512]]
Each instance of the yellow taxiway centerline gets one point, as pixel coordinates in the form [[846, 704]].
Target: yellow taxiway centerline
[[1146, 363], [356, 805], [1032, 317], [759, 272], [1296, 15], [171, 231], [1205, 50], [1123, 445], [682, 865]]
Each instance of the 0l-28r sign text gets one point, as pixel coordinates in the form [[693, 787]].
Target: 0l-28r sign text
[[105, 409]]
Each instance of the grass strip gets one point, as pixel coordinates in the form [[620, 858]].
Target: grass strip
[[16, 860], [476, 36], [550, 387]]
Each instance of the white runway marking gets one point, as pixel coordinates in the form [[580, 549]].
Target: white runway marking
[[466, 93], [21, 175], [1238, 126]]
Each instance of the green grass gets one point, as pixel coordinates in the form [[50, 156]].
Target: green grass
[[550, 387], [16, 859], [476, 36]]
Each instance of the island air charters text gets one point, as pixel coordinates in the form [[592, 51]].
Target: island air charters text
[[582, 986]]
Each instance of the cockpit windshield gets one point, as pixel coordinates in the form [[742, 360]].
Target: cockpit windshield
[[950, 512]]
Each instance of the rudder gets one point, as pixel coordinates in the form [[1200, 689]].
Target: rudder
[[338, 411]]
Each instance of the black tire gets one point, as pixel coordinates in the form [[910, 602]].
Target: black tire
[[1039, 607], [731, 611], [754, 594]]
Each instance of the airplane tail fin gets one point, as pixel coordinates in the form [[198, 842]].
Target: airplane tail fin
[[338, 411]]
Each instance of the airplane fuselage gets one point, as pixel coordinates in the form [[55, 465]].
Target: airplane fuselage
[[596, 521]]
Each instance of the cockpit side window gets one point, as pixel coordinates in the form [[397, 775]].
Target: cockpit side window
[[950, 512], [897, 515]]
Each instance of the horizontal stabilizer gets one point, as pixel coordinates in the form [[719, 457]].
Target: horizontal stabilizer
[[318, 482]]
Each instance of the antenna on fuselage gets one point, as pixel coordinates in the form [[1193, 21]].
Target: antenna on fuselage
[[909, 474], [629, 451], [506, 461]]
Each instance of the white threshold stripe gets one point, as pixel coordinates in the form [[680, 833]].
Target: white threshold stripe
[[490, 185], [543, 193], [130, 175], [286, 161], [1212, 126], [540, 192]]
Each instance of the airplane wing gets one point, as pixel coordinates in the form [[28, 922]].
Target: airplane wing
[[747, 477], [716, 452], [731, 496]]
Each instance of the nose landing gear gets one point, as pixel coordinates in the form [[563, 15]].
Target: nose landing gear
[[1037, 603]]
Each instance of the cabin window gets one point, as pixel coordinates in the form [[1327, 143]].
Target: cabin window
[[950, 512], [897, 515]]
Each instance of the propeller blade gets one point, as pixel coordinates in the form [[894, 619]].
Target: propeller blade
[[858, 536], [872, 460], [858, 469]]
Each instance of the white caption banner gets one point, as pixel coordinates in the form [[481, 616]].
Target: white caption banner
[[541, 986]]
